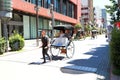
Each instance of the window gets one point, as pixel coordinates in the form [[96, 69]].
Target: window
[[73, 11], [64, 8], [70, 10], [47, 3], [45, 24], [40, 23], [57, 5], [40, 3], [33, 1], [27, 0]]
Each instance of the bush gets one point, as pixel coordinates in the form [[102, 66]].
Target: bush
[[116, 71], [115, 48], [78, 26], [2, 45], [16, 42]]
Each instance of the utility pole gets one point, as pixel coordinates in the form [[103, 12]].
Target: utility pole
[[53, 22], [119, 3], [37, 24], [82, 22]]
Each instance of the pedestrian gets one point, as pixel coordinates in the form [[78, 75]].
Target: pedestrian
[[45, 46], [109, 30]]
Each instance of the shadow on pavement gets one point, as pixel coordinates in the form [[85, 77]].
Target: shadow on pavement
[[35, 63], [98, 62], [57, 58]]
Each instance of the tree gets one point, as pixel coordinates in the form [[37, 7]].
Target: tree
[[78, 26], [87, 29], [113, 11]]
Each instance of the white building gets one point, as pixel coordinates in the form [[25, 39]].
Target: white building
[[87, 11], [98, 17], [104, 18]]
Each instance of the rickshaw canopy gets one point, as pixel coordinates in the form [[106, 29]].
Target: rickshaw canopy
[[94, 30], [63, 27]]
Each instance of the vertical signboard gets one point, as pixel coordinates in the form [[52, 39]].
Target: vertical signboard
[[6, 8]]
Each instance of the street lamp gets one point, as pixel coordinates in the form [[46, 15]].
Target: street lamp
[[37, 18], [82, 22], [52, 16], [5, 16]]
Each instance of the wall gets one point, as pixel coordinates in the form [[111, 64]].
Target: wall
[[32, 27]]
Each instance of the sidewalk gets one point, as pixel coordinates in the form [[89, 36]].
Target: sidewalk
[[29, 46], [17, 66]]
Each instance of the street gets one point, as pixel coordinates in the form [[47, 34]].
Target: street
[[90, 61]]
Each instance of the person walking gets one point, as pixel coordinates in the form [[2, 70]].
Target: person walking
[[45, 46], [109, 30]]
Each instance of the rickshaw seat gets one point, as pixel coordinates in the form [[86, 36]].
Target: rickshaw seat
[[60, 42]]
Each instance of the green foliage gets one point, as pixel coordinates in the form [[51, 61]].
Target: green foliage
[[115, 48], [101, 30], [111, 9], [94, 28], [16, 42], [78, 26], [2, 45], [87, 28], [116, 71]]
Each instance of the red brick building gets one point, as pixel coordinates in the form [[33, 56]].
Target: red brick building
[[24, 15]]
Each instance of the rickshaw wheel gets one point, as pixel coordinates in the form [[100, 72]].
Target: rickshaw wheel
[[70, 50], [54, 50]]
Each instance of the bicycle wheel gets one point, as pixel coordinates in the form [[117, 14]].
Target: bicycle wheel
[[54, 50], [70, 50]]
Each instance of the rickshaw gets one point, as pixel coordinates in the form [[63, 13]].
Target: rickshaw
[[65, 44], [94, 34], [80, 34]]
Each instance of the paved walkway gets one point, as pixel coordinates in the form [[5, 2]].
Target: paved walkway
[[91, 59], [99, 52]]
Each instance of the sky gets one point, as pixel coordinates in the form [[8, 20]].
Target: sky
[[101, 3]]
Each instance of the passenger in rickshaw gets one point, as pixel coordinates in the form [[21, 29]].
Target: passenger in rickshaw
[[94, 34], [62, 40], [68, 34], [62, 33]]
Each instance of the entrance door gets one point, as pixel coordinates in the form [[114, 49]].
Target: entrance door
[[15, 26]]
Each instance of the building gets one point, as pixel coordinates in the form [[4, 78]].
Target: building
[[104, 18], [98, 16], [87, 12], [24, 16]]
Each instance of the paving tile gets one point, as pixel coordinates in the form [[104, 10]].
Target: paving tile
[[82, 68]]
